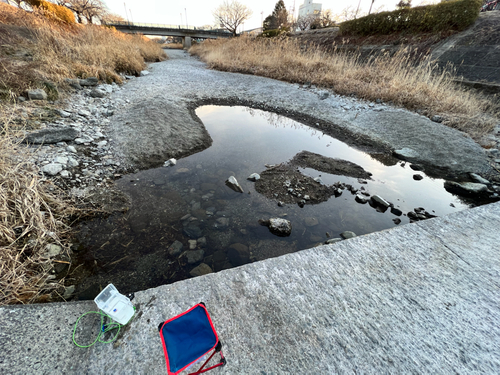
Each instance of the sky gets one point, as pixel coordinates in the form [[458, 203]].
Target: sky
[[199, 12]]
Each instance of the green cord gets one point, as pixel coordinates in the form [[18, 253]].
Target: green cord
[[104, 328]]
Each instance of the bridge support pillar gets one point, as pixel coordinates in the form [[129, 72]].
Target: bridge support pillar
[[186, 42]]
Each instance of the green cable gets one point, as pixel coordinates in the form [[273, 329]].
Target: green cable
[[104, 328]]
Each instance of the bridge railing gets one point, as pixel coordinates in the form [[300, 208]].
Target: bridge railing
[[162, 26]]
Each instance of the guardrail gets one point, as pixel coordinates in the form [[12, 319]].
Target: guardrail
[[161, 26]]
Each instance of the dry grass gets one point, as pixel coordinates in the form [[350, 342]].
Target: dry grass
[[394, 79], [34, 48], [30, 218]]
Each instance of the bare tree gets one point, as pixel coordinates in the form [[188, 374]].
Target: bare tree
[[86, 10], [305, 22], [231, 14]]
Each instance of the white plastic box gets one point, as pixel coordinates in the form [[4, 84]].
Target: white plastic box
[[114, 304]]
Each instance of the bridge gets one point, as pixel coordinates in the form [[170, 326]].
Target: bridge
[[185, 32]]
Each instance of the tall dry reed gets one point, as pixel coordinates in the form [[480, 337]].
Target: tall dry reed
[[57, 50], [31, 217], [397, 79]]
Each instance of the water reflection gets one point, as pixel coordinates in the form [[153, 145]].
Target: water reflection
[[218, 227]]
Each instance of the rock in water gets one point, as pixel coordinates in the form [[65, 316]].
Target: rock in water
[[170, 162], [202, 269], [277, 226], [378, 200], [254, 177], [347, 234], [465, 188], [233, 184]]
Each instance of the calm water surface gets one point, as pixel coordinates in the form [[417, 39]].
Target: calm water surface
[[190, 201]]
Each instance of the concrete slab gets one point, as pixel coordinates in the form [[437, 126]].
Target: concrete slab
[[421, 298]]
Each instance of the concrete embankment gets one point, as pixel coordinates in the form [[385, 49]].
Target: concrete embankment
[[422, 298]]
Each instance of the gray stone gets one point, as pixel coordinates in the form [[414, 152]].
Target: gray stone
[[437, 118], [465, 188], [323, 95], [202, 242], [360, 198], [254, 177], [129, 77], [194, 256], [379, 201], [175, 248], [222, 222], [477, 178], [406, 153], [170, 163], [97, 93], [74, 83], [202, 269], [83, 140], [37, 94], [64, 113], [61, 160], [193, 231], [347, 234], [278, 226], [310, 221], [238, 254], [91, 81], [71, 149], [232, 183], [101, 144], [52, 250], [51, 136], [192, 244], [84, 113], [144, 73], [52, 169], [65, 174], [68, 291]]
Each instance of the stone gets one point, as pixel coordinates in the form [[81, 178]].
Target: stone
[[194, 256], [84, 113], [101, 144], [64, 113], [192, 244], [170, 162], [233, 184], [74, 83], [397, 221], [175, 248], [60, 160], [406, 153], [238, 254], [91, 81], [222, 222], [360, 198], [37, 94], [202, 269], [52, 169], [51, 136], [83, 140], [332, 240], [323, 95], [97, 93], [65, 174], [396, 211], [379, 201], [254, 177], [465, 188], [52, 250], [418, 177], [193, 231], [144, 73], [129, 77], [347, 234], [310, 221], [279, 227], [202, 242], [71, 149], [477, 178], [437, 118], [68, 291]]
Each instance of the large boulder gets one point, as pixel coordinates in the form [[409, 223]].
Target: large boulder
[[50, 136]]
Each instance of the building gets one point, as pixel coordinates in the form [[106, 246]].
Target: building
[[309, 8]]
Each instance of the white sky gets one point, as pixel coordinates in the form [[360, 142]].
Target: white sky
[[199, 12]]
